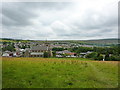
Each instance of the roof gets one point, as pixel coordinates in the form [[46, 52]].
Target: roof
[[65, 51], [36, 53], [83, 53], [40, 48], [72, 53]]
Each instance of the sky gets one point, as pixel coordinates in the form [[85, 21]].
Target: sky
[[77, 20]]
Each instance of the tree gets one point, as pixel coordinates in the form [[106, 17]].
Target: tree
[[23, 47], [58, 49], [65, 55], [92, 55], [9, 48], [99, 57], [46, 55], [54, 53], [81, 49], [114, 58], [107, 57]]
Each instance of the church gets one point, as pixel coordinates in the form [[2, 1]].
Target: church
[[39, 50]]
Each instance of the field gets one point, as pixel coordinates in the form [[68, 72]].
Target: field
[[58, 73]]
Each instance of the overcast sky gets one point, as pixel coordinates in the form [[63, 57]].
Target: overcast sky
[[86, 19]]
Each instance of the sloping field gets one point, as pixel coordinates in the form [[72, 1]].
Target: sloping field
[[58, 73]]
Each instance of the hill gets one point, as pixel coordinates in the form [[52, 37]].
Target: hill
[[58, 73], [97, 41], [103, 41]]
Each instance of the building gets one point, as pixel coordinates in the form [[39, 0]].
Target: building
[[7, 54], [38, 51], [83, 54], [27, 52], [65, 53]]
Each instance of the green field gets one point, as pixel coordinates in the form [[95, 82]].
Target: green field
[[58, 73]]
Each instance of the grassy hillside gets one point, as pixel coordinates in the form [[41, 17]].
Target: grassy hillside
[[58, 73], [0, 73]]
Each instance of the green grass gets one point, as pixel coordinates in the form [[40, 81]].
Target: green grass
[[0, 73], [58, 73]]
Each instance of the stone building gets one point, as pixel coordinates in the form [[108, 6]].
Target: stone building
[[38, 51]]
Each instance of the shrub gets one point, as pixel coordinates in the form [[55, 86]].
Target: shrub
[[107, 57], [114, 58], [46, 54], [54, 53], [91, 55]]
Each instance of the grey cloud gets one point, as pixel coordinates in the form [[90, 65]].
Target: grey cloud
[[47, 5], [30, 19], [19, 14], [16, 14], [88, 22]]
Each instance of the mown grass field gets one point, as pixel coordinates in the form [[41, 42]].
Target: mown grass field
[[58, 73]]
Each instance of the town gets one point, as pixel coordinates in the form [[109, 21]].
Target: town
[[56, 49]]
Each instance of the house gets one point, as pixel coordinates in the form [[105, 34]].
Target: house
[[71, 55], [88, 52], [87, 46], [65, 53], [59, 56], [83, 54], [38, 51], [7, 54]]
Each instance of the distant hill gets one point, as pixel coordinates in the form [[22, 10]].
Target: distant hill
[[103, 41], [97, 41], [9, 39], [6, 39]]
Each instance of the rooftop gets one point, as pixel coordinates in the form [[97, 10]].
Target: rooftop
[[40, 48]]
